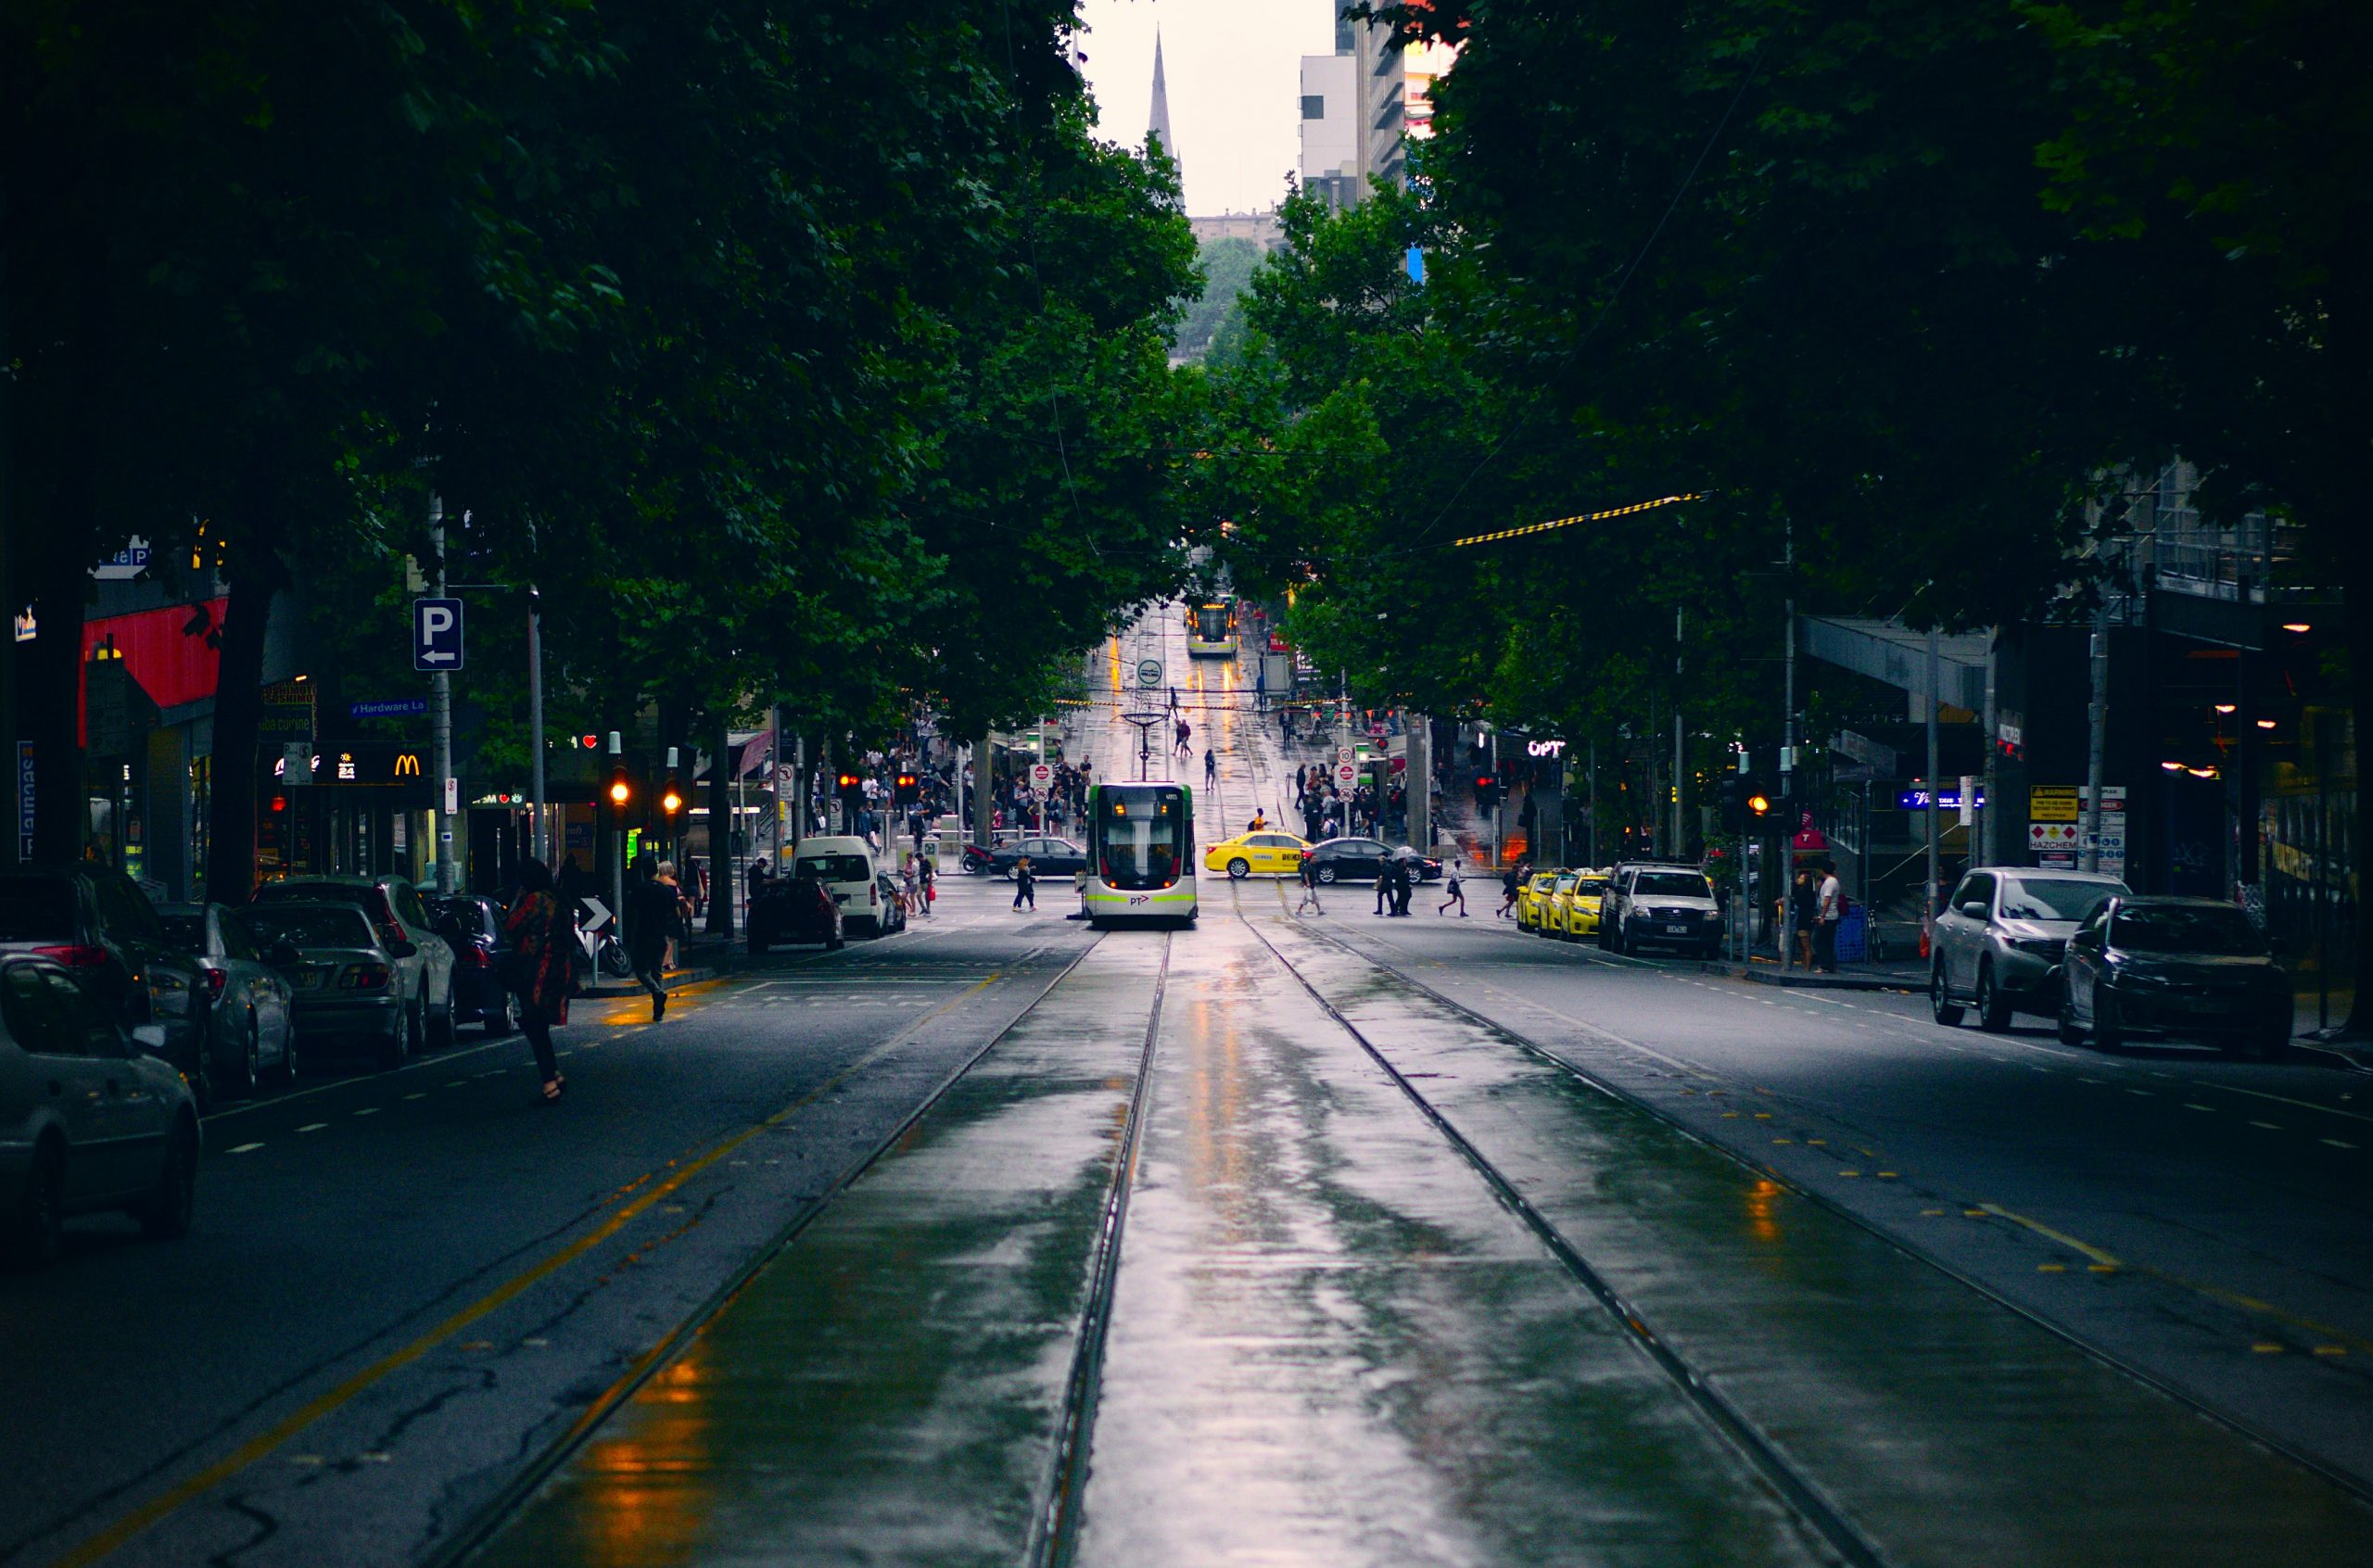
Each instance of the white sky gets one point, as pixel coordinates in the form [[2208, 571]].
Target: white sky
[[1234, 68]]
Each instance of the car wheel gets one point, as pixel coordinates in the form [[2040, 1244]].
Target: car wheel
[[441, 1024], [834, 942], [249, 1070], [506, 1017], [40, 1227], [403, 1041], [2108, 1032], [1327, 874], [1013, 873], [1993, 1007], [173, 1205], [1240, 868], [289, 1063], [1940, 1003], [2070, 1033]]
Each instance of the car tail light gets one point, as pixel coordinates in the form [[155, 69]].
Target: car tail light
[[77, 956], [215, 981], [873, 892], [365, 977], [476, 957]]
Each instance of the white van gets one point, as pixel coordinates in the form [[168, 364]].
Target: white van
[[844, 864]]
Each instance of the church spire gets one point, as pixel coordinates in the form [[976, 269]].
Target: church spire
[[1158, 120]]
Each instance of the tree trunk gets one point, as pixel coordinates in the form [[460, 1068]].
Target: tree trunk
[[238, 711], [720, 832]]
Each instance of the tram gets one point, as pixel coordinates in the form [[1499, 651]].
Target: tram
[[1140, 854], [1211, 629]]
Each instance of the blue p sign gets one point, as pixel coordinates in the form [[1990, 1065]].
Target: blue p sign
[[437, 634]]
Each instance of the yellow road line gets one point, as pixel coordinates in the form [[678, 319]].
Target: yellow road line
[[140, 1519], [2325, 1331]]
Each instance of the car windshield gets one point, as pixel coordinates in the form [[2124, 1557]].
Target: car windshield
[[1565, 884], [1671, 884], [185, 931], [833, 868], [2176, 929], [37, 909], [1593, 886], [2052, 898], [312, 925], [1140, 833]]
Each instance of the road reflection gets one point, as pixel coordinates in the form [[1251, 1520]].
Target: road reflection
[[646, 1492]]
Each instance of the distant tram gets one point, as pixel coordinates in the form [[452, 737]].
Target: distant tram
[[1140, 854], [1211, 629]]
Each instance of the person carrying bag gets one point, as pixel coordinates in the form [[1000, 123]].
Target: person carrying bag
[[537, 966]]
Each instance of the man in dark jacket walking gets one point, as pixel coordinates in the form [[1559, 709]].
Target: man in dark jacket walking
[[651, 909]]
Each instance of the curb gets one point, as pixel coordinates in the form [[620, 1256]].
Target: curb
[[673, 979], [1797, 980]]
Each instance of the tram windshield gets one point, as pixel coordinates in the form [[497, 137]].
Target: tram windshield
[[1211, 622], [1141, 835]]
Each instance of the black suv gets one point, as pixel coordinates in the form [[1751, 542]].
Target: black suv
[[95, 921]]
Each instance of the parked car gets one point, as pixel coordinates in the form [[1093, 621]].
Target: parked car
[[893, 904], [472, 927], [1360, 860], [1652, 905], [253, 1027], [403, 919], [1574, 903], [352, 978], [1049, 857], [844, 864], [1533, 899], [2174, 967], [98, 921], [1998, 941], [92, 1117], [790, 909]]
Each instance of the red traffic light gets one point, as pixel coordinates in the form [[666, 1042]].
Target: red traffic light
[[850, 781], [1760, 804]]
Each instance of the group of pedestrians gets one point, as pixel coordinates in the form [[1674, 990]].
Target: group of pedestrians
[[1816, 906]]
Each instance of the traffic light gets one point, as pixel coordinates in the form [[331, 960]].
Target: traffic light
[[1758, 804], [621, 791], [671, 801], [852, 790], [910, 789], [1487, 791], [1733, 797]]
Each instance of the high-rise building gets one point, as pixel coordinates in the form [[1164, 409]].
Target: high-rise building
[[1353, 113]]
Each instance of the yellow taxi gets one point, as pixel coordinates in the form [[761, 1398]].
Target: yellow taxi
[[1533, 899], [1573, 906], [1263, 853]]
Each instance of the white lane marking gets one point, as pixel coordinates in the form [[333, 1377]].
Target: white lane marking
[[416, 1096], [2336, 1143], [250, 1148], [2303, 1105], [312, 1127], [368, 1110]]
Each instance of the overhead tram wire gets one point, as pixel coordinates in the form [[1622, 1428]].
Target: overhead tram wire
[[1569, 522], [1607, 310]]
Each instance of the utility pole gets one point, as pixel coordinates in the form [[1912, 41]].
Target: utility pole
[[541, 836], [1985, 851], [618, 840], [1680, 839], [440, 718], [1419, 784], [1936, 794], [2098, 723], [1593, 799]]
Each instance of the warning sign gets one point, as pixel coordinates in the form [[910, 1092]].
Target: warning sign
[[2051, 802]]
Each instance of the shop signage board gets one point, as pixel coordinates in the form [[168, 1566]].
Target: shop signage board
[[24, 799], [288, 712]]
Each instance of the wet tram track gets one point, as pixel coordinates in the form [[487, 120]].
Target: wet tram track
[[1816, 1503], [488, 1519], [1814, 1508]]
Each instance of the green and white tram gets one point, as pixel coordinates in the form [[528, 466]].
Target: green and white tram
[[1140, 854], [1211, 629]]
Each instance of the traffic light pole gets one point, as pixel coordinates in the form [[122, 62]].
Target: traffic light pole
[[618, 836], [440, 719], [540, 836]]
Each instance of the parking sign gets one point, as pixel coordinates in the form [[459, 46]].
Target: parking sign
[[437, 634]]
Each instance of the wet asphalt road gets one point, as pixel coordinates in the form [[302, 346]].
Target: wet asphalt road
[[1336, 1241]]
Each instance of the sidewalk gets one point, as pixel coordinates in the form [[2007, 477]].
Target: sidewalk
[[699, 958], [1895, 975]]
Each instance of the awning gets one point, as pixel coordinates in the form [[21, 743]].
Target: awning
[[1893, 652]]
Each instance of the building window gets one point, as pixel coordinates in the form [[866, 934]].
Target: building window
[[1313, 106]]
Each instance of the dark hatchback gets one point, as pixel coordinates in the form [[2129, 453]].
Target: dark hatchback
[[2174, 967], [472, 927], [1362, 860], [791, 909]]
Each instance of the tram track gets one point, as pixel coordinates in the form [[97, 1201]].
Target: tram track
[[1804, 1495], [484, 1522]]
